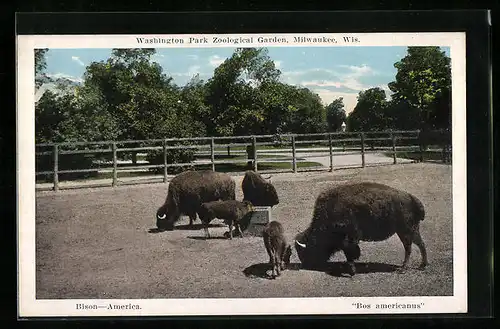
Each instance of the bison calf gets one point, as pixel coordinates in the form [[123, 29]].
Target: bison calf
[[231, 211], [278, 249]]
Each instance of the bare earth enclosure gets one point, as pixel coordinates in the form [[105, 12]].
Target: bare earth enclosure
[[101, 243]]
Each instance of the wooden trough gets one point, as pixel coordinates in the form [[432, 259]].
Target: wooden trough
[[260, 218], [258, 221]]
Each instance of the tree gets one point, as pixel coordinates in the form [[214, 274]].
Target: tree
[[141, 101], [232, 93], [423, 81], [192, 95], [370, 112], [40, 66], [278, 100], [60, 118], [335, 114], [135, 91], [401, 115], [308, 114]]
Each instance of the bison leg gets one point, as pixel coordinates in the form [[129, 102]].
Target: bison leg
[[351, 267], [205, 228], [239, 230], [352, 252], [277, 264], [192, 219], [268, 249], [406, 239], [417, 239], [272, 256], [231, 230], [282, 257]]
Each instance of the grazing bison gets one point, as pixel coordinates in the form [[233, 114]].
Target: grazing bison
[[350, 213], [278, 249], [188, 190], [258, 191], [232, 211]]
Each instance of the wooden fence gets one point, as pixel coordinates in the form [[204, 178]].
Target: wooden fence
[[249, 152]]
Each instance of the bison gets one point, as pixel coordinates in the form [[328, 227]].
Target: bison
[[188, 190], [258, 191], [277, 248], [347, 214], [231, 211]]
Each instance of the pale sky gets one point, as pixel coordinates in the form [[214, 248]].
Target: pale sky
[[331, 72]]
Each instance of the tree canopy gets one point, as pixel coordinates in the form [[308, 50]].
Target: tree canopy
[[421, 95], [128, 96], [335, 114], [423, 82]]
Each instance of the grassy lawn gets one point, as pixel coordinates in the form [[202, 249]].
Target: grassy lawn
[[222, 167], [428, 155]]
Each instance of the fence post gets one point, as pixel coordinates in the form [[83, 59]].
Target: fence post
[[212, 152], [393, 148], [254, 147], [294, 155], [115, 165], [165, 161], [331, 151], [228, 151], [362, 149], [56, 167], [421, 147]]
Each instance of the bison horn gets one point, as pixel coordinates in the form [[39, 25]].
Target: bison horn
[[162, 217], [300, 244]]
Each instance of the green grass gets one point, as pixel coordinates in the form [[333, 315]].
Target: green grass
[[222, 167], [428, 155]]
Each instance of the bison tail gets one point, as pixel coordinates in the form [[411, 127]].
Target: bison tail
[[418, 209]]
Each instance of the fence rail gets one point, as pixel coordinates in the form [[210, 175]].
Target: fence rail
[[259, 150]]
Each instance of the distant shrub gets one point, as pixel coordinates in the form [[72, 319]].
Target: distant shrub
[[155, 157]]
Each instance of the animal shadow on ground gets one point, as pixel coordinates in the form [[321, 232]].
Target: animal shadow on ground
[[260, 270], [212, 237], [195, 227], [340, 269]]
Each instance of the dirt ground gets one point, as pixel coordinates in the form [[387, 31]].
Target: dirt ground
[[101, 243]]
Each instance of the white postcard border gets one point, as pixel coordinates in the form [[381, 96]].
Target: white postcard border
[[29, 306]]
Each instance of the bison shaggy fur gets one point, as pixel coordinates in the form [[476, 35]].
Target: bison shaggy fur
[[258, 191], [188, 190], [231, 211], [277, 248], [347, 214]]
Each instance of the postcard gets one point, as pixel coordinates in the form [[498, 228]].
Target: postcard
[[131, 148]]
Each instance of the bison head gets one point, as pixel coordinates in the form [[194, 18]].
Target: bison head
[[162, 220], [249, 205], [314, 248], [308, 252]]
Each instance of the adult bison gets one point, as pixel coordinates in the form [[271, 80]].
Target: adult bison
[[258, 191], [188, 190], [350, 213]]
